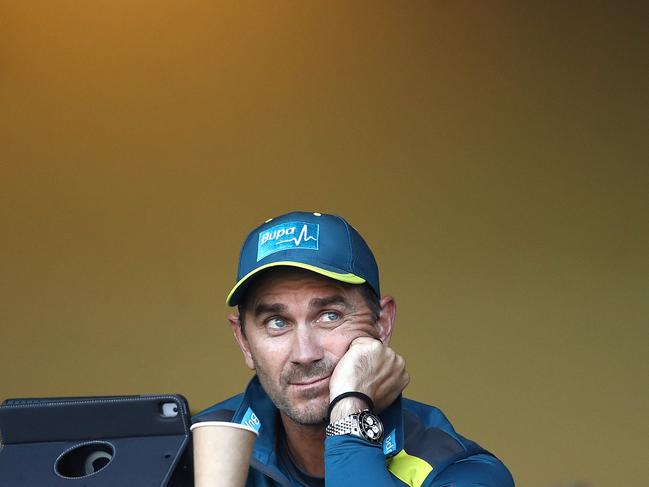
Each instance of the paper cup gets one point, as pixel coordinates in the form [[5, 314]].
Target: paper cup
[[222, 453]]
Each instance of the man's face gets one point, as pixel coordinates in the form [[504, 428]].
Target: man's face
[[298, 325]]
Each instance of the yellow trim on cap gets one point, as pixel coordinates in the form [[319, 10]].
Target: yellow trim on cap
[[348, 278], [409, 469]]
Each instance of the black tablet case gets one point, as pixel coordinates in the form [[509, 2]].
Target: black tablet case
[[147, 447]]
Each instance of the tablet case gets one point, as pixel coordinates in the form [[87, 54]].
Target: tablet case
[[95, 442]]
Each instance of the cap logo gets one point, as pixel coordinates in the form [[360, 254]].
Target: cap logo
[[289, 235]]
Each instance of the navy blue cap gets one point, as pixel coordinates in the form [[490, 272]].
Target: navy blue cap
[[325, 244]]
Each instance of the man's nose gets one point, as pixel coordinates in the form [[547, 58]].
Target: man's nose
[[307, 347]]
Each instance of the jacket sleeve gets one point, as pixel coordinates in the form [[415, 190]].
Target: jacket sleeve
[[477, 470], [353, 462]]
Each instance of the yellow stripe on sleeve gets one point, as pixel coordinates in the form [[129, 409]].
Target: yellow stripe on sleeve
[[409, 469]]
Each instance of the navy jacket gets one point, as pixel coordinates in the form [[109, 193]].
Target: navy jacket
[[420, 448]]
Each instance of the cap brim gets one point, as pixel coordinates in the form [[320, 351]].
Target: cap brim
[[233, 297]]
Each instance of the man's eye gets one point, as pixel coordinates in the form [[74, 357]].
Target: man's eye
[[276, 324], [330, 316]]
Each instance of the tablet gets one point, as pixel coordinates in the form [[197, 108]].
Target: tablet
[[103, 441]]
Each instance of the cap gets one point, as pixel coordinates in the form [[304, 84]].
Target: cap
[[321, 243]]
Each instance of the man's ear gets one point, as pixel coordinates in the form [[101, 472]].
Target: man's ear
[[241, 339], [386, 319]]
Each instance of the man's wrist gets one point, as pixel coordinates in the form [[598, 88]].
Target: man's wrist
[[347, 406], [361, 423]]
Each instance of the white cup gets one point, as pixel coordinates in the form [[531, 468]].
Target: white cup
[[222, 453]]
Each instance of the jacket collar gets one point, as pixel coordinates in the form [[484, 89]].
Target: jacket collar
[[258, 411]]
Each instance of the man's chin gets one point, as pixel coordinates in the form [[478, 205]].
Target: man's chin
[[309, 413], [314, 420]]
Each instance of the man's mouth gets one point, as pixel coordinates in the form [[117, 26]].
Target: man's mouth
[[310, 382]]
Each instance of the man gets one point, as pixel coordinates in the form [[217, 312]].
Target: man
[[326, 399]]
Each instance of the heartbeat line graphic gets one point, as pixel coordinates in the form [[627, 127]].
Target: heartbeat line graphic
[[298, 240]]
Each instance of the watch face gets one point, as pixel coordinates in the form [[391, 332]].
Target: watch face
[[370, 426]]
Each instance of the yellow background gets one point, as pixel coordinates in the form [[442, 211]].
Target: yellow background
[[494, 154]]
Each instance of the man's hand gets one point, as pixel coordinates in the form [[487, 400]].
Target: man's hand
[[369, 367]]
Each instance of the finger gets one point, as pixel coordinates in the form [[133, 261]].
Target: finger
[[362, 331], [365, 340]]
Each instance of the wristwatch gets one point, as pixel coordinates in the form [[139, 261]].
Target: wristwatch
[[363, 424]]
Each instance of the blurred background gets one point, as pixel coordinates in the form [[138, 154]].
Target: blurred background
[[494, 155]]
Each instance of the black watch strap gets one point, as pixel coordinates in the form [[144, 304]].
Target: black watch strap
[[339, 397]]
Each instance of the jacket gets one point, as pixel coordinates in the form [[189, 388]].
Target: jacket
[[420, 448]]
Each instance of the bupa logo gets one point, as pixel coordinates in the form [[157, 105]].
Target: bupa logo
[[251, 420], [389, 443], [289, 235]]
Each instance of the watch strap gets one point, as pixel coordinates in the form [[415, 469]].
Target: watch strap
[[363, 424], [359, 395]]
